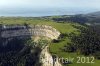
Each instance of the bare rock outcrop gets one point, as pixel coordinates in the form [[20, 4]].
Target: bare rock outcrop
[[46, 58], [34, 30]]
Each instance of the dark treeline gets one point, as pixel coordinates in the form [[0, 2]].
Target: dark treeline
[[78, 18], [17, 53], [75, 18], [87, 43]]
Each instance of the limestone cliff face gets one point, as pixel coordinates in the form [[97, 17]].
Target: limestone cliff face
[[35, 30], [46, 58], [44, 30]]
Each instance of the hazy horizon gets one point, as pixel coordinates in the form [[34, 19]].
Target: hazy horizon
[[47, 7]]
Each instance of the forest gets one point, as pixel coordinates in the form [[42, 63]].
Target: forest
[[87, 43]]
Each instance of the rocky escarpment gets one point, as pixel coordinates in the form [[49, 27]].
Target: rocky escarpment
[[35, 30], [46, 58], [10, 31]]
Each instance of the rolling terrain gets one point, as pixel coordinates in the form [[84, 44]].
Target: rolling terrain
[[55, 48]]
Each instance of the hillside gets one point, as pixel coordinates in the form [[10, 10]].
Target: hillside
[[65, 28], [94, 14], [91, 18]]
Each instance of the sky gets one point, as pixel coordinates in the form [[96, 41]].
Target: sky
[[47, 7]]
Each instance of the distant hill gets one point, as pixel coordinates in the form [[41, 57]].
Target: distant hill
[[94, 14], [89, 18]]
